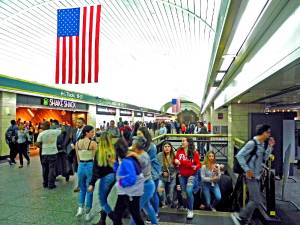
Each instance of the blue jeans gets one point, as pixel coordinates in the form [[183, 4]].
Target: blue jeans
[[85, 171], [149, 188], [187, 186], [155, 198], [105, 185], [207, 190], [167, 194]]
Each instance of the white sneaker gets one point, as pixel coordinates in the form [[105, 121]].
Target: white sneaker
[[88, 216], [79, 211], [190, 214]]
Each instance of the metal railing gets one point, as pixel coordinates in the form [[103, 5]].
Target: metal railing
[[216, 142]]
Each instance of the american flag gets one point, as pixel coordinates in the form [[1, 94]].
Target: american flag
[[176, 106], [77, 45]]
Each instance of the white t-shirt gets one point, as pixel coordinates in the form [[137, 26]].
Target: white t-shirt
[[48, 138]]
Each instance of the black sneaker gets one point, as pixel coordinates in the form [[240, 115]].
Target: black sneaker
[[52, 187]]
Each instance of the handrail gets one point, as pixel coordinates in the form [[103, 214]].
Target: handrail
[[189, 135]]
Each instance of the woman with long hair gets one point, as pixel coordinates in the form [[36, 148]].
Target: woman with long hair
[[151, 149], [103, 170], [85, 151], [167, 180], [188, 160], [210, 174]]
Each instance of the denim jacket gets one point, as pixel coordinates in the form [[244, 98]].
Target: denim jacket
[[156, 167], [255, 164]]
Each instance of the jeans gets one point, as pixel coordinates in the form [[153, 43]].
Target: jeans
[[49, 170], [168, 188], [255, 199], [149, 188], [155, 198], [13, 147], [85, 171], [187, 186], [105, 186], [207, 190], [124, 202], [22, 149]]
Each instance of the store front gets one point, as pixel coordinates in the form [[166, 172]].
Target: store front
[[148, 117], [38, 109], [104, 115], [138, 116], [126, 115]]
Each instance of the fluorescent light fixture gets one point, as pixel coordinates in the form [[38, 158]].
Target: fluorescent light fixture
[[220, 76], [248, 19], [226, 62], [30, 112]]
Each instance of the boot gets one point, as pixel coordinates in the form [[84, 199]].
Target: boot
[[102, 218]]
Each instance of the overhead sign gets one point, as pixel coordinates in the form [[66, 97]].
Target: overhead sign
[[138, 114], [102, 110], [58, 103], [148, 114], [124, 112]]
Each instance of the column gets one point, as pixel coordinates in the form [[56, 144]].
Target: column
[[8, 103], [91, 116]]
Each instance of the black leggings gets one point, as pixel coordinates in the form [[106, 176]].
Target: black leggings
[[22, 150], [133, 203]]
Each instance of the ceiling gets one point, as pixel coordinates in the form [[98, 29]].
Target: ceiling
[[150, 50], [281, 90]]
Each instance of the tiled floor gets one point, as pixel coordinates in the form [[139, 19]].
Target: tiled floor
[[23, 200]]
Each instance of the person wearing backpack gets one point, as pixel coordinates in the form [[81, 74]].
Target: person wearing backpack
[[251, 158], [130, 184], [11, 140]]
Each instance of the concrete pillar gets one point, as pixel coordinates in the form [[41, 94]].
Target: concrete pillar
[[238, 124], [91, 116], [8, 103]]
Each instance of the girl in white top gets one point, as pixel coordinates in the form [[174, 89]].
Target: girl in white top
[[85, 152]]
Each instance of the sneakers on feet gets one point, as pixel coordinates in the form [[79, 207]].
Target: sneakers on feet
[[237, 219], [79, 211], [190, 214], [88, 216], [77, 189]]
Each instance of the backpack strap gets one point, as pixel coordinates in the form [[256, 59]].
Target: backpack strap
[[253, 152]]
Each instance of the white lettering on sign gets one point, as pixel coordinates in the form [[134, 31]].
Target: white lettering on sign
[[61, 103]]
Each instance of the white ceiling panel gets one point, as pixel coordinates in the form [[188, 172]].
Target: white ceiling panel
[[151, 50]]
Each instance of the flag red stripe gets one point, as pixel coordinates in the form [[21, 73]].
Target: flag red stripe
[[70, 60], [64, 61], [90, 44], [97, 43], [77, 60], [83, 46], [57, 61]]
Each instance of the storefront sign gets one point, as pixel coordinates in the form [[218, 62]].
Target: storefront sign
[[101, 110], [138, 114], [124, 112], [58, 103], [148, 114]]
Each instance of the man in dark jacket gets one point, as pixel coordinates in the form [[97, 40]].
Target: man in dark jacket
[[11, 140]]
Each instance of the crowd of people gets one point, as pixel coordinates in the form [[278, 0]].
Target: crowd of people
[[124, 157]]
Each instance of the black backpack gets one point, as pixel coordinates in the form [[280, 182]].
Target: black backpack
[[11, 135], [236, 165]]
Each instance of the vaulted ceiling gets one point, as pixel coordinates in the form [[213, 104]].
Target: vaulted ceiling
[[150, 50]]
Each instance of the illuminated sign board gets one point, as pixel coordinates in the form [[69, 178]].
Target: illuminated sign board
[[138, 114], [102, 110], [58, 103], [124, 112], [148, 114]]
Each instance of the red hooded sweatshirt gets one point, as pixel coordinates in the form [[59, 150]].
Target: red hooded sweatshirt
[[185, 167]]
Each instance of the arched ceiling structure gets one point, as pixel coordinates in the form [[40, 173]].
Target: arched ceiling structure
[[185, 105], [150, 52]]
